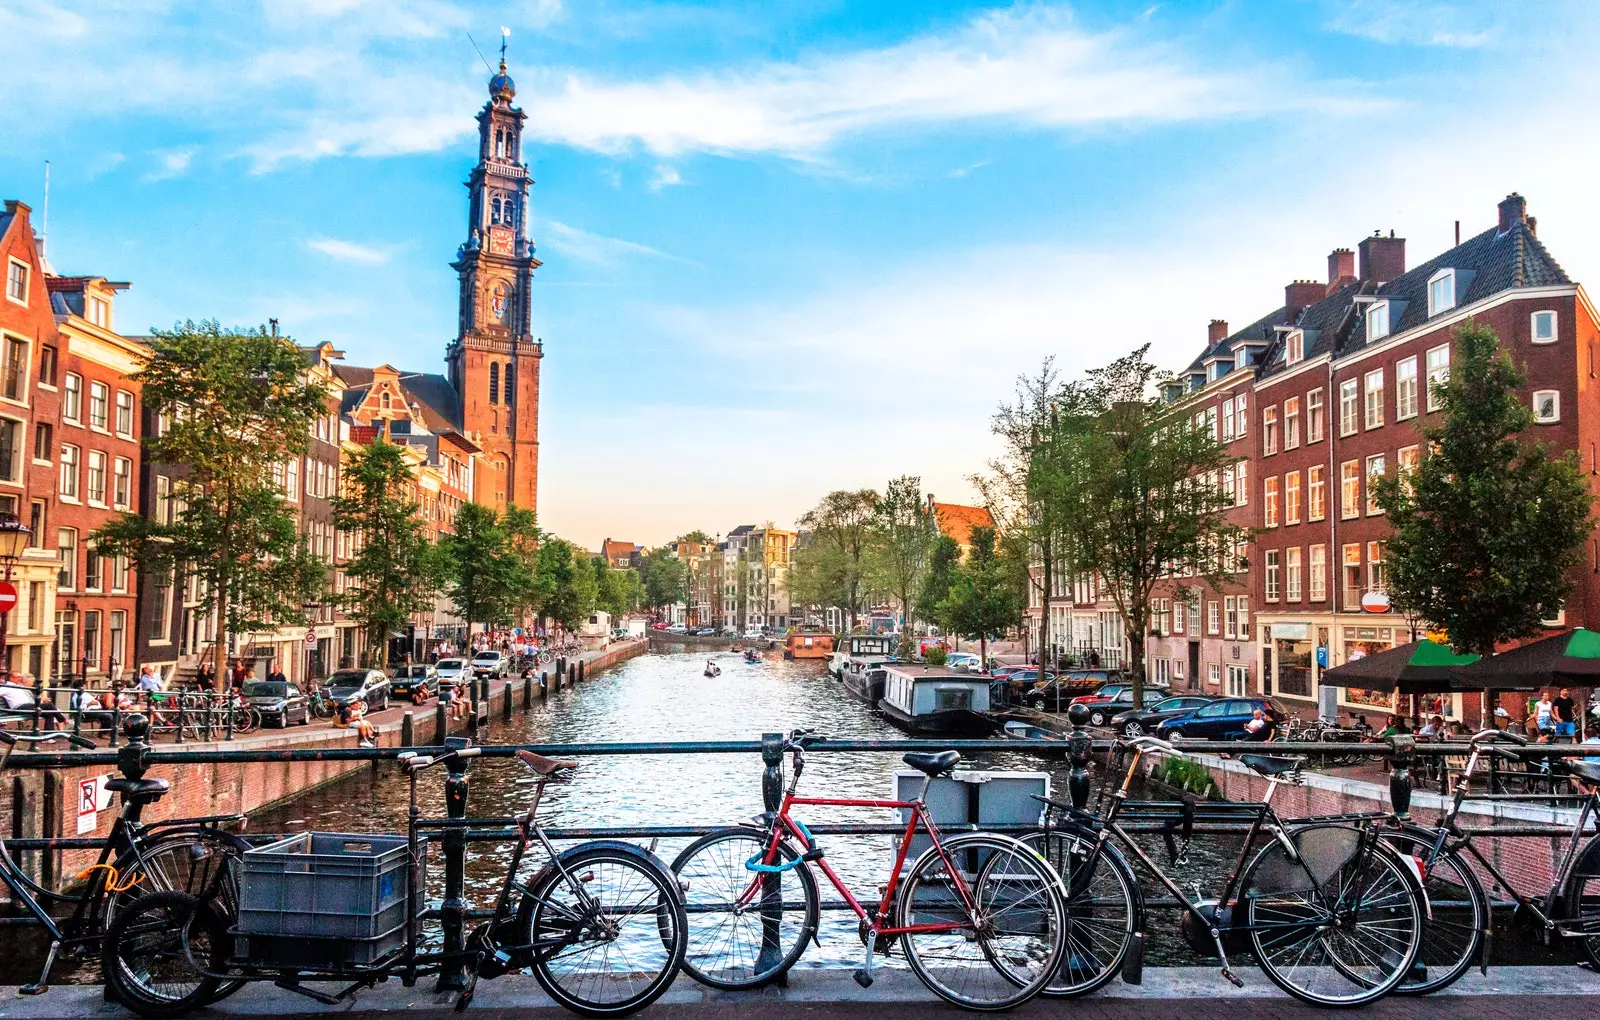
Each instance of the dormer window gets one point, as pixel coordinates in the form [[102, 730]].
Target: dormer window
[[1241, 357], [1441, 292], [1295, 348], [99, 312], [1378, 320], [1218, 369]]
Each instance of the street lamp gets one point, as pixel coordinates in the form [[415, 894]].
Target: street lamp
[[13, 539]]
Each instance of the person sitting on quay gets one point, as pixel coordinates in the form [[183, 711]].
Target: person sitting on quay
[[353, 715]]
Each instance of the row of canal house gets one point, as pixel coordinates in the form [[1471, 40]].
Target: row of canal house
[[1327, 392]]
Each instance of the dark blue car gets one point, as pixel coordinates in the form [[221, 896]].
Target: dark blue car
[[1221, 720]]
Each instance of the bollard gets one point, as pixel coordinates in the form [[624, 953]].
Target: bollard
[[408, 733], [771, 886], [1080, 747], [1405, 752], [453, 909], [505, 702], [527, 692], [561, 665], [572, 675], [581, 664], [441, 717], [544, 684]]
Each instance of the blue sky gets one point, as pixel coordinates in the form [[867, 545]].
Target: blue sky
[[788, 246]]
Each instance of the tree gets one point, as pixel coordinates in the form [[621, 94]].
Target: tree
[[618, 591], [480, 576], [1132, 483], [831, 568], [523, 537], [987, 596], [1489, 526], [567, 590], [665, 579], [236, 409], [903, 534], [696, 536], [937, 581], [394, 571]]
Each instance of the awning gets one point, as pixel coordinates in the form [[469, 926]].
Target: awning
[[1417, 667]]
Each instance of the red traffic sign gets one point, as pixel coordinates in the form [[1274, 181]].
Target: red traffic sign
[[311, 639], [8, 596]]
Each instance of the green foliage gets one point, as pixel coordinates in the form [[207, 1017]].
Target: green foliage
[[480, 576], [935, 656], [618, 592], [1189, 776], [1490, 525], [986, 597], [394, 571], [236, 406], [937, 581], [697, 536], [567, 588], [830, 566], [903, 534], [665, 578]]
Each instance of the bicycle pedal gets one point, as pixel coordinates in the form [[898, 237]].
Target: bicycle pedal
[[863, 978], [1233, 978]]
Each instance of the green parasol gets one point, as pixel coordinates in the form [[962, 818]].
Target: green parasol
[[1417, 667]]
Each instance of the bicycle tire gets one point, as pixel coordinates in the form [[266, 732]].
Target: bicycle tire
[[712, 869], [554, 902], [1581, 901], [1105, 909], [145, 956], [1005, 946], [1289, 915], [1461, 913]]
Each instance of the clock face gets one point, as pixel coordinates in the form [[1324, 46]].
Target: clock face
[[500, 241], [499, 301]]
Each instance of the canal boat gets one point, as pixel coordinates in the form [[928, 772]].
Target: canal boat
[[751, 655], [808, 643], [864, 680], [936, 700], [853, 646]]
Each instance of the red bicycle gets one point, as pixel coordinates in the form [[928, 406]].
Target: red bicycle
[[980, 917]]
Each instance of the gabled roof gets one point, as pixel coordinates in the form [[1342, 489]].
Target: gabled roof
[[1259, 331], [956, 521], [440, 407]]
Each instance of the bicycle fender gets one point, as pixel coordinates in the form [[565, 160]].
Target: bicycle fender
[[1419, 889], [631, 849]]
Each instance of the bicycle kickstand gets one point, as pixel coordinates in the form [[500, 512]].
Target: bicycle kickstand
[[464, 999], [863, 974], [43, 984]]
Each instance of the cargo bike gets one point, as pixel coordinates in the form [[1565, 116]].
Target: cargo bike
[[601, 925]]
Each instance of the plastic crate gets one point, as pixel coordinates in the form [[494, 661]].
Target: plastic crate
[[327, 885], [304, 953]]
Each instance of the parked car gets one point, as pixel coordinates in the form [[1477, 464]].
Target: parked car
[[754, 634], [279, 702], [1221, 720], [450, 670], [1111, 699], [418, 681], [966, 662], [703, 632], [491, 664], [369, 685], [1138, 721]]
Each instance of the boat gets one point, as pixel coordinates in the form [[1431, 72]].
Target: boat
[[712, 669], [751, 655], [808, 643], [854, 646], [864, 681], [936, 700]]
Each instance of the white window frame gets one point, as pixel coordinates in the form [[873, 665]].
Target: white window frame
[[1294, 347], [1273, 562], [1533, 326], [1372, 399], [88, 477], [1293, 498], [1350, 396], [1405, 388], [1349, 509], [1213, 618], [1269, 430], [1377, 320], [1317, 573], [1439, 301], [1293, 588], [1227, 420], [1272, 500], [1555, 406], [1435, 374], [73, 395], [1316, 482], [116, 412], [1241, 488], [1241, 416], [1377, 466], [75, 462], [105, 391], [1291, 423], [121, 468], [27, 281], [1316, 415]]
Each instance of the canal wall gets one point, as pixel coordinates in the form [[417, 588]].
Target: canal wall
[[45, 803]]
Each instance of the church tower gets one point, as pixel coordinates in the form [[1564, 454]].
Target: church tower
[[494, 361]]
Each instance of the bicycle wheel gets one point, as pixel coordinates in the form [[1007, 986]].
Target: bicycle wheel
[[745, 927], [1339, 923], [146, 955], [1453, 935], [1003, 949], [609, 940], [1581, 906], [1104, 909]]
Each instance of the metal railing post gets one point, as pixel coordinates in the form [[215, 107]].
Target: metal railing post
[[116, 713], [38, 701], [1080, 747], [453, 909], [771, 882], [182, 719]]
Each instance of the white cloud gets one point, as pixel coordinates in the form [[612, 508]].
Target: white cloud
[[599, 249], [351, 251], [665, 177], [170, 163], [1409, 22]]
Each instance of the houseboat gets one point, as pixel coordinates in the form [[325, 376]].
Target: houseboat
[[808, 644], [936, 700], [864, 679], [878, 646]]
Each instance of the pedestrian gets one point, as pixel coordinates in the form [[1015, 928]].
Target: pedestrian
[[1544, 714], [1566, 713], [276, 675]]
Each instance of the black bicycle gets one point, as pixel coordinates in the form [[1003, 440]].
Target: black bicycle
[[190, 856], [602, 927], [1332, 914]]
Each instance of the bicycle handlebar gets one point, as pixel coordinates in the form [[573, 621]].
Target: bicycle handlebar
[[417, 762], [1154, 742], [1515, 738]]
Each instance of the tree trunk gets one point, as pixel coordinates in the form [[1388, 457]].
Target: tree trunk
[[983, 651], [1136, 661], [1046, 646]]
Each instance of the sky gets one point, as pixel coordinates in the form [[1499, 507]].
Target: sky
[[788, 246]]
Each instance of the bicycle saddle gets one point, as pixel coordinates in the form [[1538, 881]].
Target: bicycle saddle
[[544, 766], [932, 764], [137, 787], [1587, 769], [1271, 764]]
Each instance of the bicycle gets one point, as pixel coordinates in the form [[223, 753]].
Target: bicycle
[[1332, 915], [985, 935], [602, 926], [185, 854]]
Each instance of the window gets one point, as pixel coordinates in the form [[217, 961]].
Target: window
[[1291, 498], [1295, 348], [69, 472], [96, 477], [1271, 511], [67, 546], [36, 517], [1441, 292], [163, 499], [1438, 367], [1215, 672], [99, 405], [163, 603], [1238, 684], [1377, 572], [1227, 420], [1211, 423], [1406, 463], [1544, 327], [1269, 430], [1352, 575], [1178, 617], [1349, 406], [17, 282], [1230, 616], [10, 450], [1405, 389], [1213, 618], [72, 399], [1227, 487], [1317, 496], [99, 312], [1350, 489], [494, 383], [1378, 320], [1291, 423], [122, 483], [1274, 574], [1241, 415], [1291, 564], [93, 569], [91, 640], [1317, 562], [125, 414], [35, 605], [1376, 468], [119, 573], [114, 649], [14, 370], [1546, 406], [1314, 416], [47, 365], [1241, 487], [44, 441], [1374, 381]]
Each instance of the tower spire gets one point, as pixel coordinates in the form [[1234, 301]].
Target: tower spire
[[505, 36]]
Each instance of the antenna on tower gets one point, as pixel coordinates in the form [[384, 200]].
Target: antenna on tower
[[481, 57], [44, 217]]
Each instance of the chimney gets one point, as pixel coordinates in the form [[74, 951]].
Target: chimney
[[1512, 210], [1341, 268], [1382, 258], [1300, 295], [1218, 330]]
